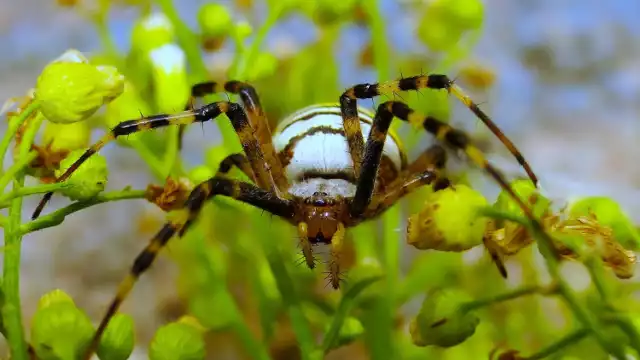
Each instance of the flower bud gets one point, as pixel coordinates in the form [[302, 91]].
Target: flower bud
[[529, 195], [449, 221], [441, 321], [169, 73], [72, 136], [118, 340], [214, 20], [177, 341], [59, 329], [151, 31], [69, 92], [608, 213], [53, 297], [88, 180]]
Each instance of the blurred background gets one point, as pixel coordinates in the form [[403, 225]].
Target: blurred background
[[566, 90]]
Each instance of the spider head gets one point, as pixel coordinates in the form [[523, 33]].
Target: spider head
[[321, 213]]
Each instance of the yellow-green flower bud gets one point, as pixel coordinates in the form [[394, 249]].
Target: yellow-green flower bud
[[73, 91], [88, 180], [169, 73], [265, 65], [200, 174], [441, 321], [60, 331], [464, 14], [150, 32], [449, 221], [118, 340], [71, 56], [529, 194], [177, 341], [608, 213], [127, 106], [54, 297], [215, 20], [72, 136], [242, 30]]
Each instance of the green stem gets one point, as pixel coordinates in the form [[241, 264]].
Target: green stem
[[11, 310], [58, 216], [16, 167], [22, 192], [14, 124], [290, 297], [172, 151], [565, 341], [247, 58], [189, 43], [523, 291]]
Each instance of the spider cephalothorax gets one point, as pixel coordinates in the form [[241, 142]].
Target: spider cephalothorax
[[316, 171]]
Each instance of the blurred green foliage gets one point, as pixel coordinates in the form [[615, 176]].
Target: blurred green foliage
[[238, 267]]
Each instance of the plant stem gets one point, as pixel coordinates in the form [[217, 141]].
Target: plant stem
[[239, 67], [22, 192], [523, 291], [11, 310], [14, 124], [188, 42], [565, 341], [58, 216], [18, 166]]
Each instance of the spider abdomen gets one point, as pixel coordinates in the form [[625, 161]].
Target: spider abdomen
[[312, 147]]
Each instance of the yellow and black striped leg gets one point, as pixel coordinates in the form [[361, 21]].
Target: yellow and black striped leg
[[205, 113], [236, 160], [270, 174], [352, 129], [433, 81], [425, 170], [234, 189], [457, 140]]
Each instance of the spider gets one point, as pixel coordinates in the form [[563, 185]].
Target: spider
[[317, 172]]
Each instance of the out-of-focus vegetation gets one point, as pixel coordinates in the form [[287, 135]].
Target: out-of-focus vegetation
[[239, 271]]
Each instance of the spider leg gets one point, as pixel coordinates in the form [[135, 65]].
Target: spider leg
[[425, 170], [271, 174], [215, 186], [205, 113], [238, 160], [443, 132], [433, 81]]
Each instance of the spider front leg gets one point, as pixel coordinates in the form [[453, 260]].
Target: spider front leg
[[445, 133], [425, 170], [348, 105], [205, 113], [269, 174], [234, 189]]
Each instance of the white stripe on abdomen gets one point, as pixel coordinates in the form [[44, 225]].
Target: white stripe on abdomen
[[322, 152]]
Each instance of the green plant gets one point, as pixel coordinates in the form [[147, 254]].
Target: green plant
[[466, 317]]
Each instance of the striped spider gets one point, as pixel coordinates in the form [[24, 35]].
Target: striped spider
[[317, 171]]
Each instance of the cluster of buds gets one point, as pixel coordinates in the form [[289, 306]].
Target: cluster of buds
[[60, 330], [450, 221]]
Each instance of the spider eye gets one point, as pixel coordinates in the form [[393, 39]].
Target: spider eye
[[319, 202]]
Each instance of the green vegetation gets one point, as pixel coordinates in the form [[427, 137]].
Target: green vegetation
[[468, 310]]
